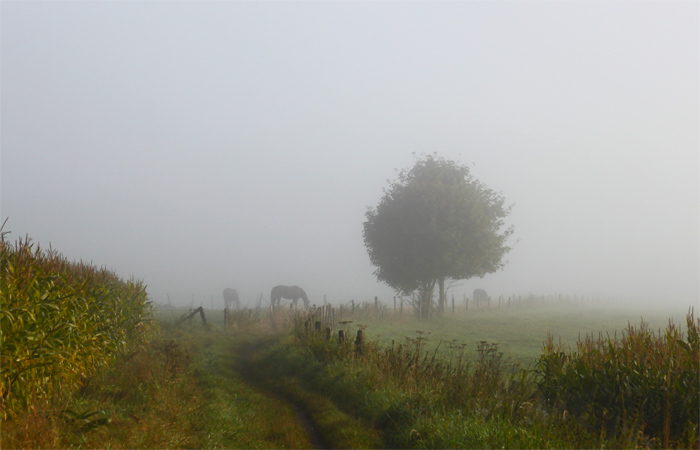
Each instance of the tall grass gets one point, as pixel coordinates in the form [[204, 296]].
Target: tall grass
[[420, 398], [644, 381], [640, 390], [60, 323]]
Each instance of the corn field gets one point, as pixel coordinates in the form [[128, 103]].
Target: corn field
[[60, 322], [643, 379]]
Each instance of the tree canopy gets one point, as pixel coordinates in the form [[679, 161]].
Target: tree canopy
[[436, 222]]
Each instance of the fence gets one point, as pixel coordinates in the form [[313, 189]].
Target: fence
[[331, 315]]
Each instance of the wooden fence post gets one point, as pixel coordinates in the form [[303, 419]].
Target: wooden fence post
[[341, 336], [359, 343], [317, 325], [199, 310], [328, 333]]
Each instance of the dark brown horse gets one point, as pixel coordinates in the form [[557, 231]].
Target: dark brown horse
[[293, 293]]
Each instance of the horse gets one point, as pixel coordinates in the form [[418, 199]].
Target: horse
[[231, 297], [480, 295], [293, 293]]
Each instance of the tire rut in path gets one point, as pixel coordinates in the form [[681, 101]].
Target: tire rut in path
[[302, 417]]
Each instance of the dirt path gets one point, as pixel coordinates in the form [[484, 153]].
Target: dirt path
[[245, 353], [315, 438]]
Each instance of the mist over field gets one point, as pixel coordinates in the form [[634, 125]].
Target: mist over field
[[205, 145]]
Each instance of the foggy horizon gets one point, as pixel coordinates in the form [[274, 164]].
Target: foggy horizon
[[203, 145]]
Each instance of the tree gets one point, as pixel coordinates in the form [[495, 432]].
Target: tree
[[436, 222]]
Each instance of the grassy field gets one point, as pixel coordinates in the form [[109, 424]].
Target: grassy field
[[416, 385], [245, 386], [520, 332], [628, 384], [88, 363]]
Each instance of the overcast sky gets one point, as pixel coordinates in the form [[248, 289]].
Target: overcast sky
[[203, 145]]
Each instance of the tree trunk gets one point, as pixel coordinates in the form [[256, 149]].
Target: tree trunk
[[426, 299], [441, 295]]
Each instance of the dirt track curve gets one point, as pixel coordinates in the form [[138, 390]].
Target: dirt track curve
[[303, 418]]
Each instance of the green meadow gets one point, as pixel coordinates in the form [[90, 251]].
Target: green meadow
[[87, 362], [520, 332]]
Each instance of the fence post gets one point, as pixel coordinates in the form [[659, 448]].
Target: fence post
[[341, 336], [359, 343], [328, 333], [317, 325], [376, 303]]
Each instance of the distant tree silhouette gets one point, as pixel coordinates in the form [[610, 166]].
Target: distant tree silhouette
[[435, 222]]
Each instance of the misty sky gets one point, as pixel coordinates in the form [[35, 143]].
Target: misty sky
[[204, 145]]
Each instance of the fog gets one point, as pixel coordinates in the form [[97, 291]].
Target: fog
[[203, 145]]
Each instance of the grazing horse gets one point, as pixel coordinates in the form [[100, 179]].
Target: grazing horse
[[293, 293], [480, 295], [231, 297]]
